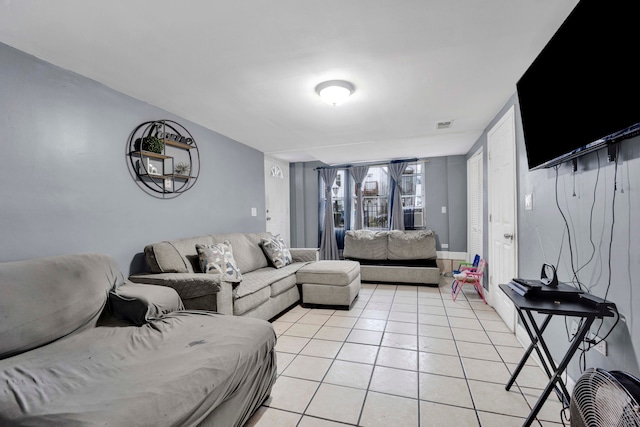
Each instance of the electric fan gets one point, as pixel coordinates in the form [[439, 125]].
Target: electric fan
[[603, 398]]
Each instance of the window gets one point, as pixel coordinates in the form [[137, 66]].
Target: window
[[376, 192], [412, 195], [338, 197], [375, 198]]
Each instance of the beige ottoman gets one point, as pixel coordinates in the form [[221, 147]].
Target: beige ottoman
[[333, 284]]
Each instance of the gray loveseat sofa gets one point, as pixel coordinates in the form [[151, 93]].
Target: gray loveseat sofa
[[82, 346], [394, 256], [264, 292]]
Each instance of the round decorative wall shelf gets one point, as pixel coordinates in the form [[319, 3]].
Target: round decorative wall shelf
[[163, 158]]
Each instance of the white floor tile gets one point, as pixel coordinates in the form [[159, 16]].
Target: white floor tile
[[362, 336], [322, 348], [440, 364], [437, 345], [448, 390], [370, 324], [435, 331], [399, 316], [398, 358], [382, 410], [332, 333], [349, 374], [433, 319], [283, 360], [302, 330], [436, 414], [307, 367], [486, 370], [308, 421], [360, 353], [395, 381], [494, 398], [409, 342], [291, 394], [341, 321], [478, 351], [288, 344], [402, 327], [375, 314], [470, 335], [337, 403], [314, 319], [279, 326], [271, 417]]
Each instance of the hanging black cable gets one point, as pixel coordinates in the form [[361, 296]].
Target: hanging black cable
[[575, 279]]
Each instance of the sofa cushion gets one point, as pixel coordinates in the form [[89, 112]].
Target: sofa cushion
[[251, 301], [48, 298], [218, 258], [163, 257], [275, 248], [264, 277], [176, 256], [283, 285], [246, 249], [412, 244], [365, 244]]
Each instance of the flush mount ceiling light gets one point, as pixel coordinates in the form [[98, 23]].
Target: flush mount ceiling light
[[335, 92]]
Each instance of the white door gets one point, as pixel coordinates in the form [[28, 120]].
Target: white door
[[501, 190], [276, 197], [475, 197]]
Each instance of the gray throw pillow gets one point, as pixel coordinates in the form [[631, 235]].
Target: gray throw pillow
[[276, 250], [218, 258]]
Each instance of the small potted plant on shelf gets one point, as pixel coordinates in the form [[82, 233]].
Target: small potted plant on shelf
[[182, 168], [150, 143]]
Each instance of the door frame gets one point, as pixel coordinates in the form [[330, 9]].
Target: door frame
[[478, 154], [277, 206], [493, 288]]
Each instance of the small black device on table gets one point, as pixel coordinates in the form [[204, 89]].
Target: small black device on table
[[550, 297]]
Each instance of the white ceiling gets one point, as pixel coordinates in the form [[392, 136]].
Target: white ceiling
[[248, 69]]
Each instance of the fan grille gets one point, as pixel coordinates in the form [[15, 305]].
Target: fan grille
[[598, 399]]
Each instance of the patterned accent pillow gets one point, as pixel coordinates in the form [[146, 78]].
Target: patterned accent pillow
[[276, 250], [218, 258]]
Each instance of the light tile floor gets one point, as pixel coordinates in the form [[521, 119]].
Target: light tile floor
[[402, 356]]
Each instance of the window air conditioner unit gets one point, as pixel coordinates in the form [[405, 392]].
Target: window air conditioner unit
[[418, 218]]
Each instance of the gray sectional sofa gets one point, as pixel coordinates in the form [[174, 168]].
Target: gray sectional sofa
[[264, 292], [394, 256], [82, 346]]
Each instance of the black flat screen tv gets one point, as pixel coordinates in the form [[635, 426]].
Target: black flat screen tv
[[582, 92]]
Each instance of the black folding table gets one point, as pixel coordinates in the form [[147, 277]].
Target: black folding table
[[552, 304]]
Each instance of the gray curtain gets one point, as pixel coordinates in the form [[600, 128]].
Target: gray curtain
[[328, 245], [359, 173], [396, 221]]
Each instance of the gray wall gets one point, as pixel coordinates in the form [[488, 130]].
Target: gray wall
[[446, 185], [66, 187], [543, 238]]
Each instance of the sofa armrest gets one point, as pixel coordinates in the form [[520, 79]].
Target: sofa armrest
[[188, 285], [224, 298], [137, 303], [304, 254]]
